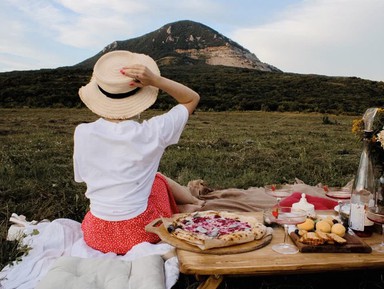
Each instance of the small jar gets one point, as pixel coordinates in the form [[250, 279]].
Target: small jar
[[304, 206]]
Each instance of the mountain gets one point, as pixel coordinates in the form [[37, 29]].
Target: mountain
[[185, 43], [226, 75]]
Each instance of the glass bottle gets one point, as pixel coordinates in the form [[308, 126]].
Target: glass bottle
[[363, 191], [379, 198]]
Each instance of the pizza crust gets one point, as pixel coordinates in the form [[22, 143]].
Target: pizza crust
[[250, 229]]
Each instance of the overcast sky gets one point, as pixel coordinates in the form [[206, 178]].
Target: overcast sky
[[328, 37]]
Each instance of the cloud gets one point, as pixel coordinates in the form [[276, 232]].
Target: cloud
[[104, 8], [99, 22], [40, 33], [332, 37], [49, 33]]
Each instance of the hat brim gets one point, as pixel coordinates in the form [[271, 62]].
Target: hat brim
[[106, 70], [123, 108]]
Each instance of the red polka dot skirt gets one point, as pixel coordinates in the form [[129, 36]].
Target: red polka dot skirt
[[120, 236]]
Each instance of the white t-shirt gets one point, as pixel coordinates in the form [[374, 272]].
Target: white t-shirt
[[119, 161]]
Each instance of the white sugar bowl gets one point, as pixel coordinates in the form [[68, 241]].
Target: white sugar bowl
[[303, 205]]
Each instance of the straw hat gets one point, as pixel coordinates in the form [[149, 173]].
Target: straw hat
[[109, 94]]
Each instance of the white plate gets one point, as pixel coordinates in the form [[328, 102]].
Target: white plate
[[338, 195], [376, 216], [345, 208]]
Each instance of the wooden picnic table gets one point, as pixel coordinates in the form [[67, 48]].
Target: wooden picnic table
[[264, 261]]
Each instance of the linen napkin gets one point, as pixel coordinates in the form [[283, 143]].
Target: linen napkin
[[319, 202]]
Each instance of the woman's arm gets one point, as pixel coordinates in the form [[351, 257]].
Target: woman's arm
[[181, 93]]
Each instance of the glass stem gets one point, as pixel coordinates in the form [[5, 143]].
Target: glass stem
[[285, 233], [382, 234]]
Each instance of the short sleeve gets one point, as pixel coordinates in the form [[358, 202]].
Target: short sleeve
[[77, 175], [171, 124]]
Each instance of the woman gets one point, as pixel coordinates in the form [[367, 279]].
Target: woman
[[118, 157]]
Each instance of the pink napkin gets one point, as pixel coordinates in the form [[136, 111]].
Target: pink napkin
[[318, 202]]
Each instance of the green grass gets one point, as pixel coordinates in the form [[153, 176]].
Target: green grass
[[245, 149], [227, 149]]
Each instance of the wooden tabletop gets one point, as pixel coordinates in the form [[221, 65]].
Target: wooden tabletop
[[265, 261]]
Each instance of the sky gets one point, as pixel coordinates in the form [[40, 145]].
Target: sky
[[325, 37]]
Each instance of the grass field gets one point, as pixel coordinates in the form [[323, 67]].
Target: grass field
[[227, 149]]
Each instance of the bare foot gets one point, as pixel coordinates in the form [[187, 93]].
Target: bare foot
[[199, 202], [198, 187]]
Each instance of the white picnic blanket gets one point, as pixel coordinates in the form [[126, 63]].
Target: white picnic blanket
[[63, 237]]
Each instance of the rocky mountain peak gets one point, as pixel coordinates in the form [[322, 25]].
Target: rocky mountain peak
[[187, 42]]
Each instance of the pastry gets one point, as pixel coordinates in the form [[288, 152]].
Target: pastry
[[337, 239], [323, 226], [330, 220], [323, 236], [311, 238], [338, 229], [308, 225]]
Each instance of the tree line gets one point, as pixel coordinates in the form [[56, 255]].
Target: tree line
[[221, 89]]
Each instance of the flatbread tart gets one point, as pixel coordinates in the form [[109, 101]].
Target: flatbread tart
[[215, 229]]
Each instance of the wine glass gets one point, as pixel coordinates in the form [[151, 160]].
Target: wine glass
[[285, 216], [337, 193], [342, 195], [343, 209], [376, 214], [279, 191]]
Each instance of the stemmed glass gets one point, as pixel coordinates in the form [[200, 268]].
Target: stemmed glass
[[285, 216], [337, 193], [376, 214], [279, 191], [342, 196]]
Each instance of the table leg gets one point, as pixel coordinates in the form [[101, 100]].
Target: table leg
[[212, 282]]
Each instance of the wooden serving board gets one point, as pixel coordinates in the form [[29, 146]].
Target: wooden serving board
[[354, 245], [158, 228]]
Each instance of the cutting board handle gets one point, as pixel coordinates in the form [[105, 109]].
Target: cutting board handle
[[153, 227]]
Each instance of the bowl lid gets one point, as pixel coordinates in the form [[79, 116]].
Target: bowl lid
[[303, 204]]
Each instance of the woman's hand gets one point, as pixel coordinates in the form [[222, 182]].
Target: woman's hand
[[141, 75]]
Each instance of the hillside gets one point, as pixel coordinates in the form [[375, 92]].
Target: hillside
[[221, 88], [225, 74], [186, 43]]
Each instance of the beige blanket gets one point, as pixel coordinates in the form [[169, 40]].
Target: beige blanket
[[249, 200], [252, 199]]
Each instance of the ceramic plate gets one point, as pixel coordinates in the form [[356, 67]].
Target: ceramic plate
[[376, 216], [337, 193], [345, 208]]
